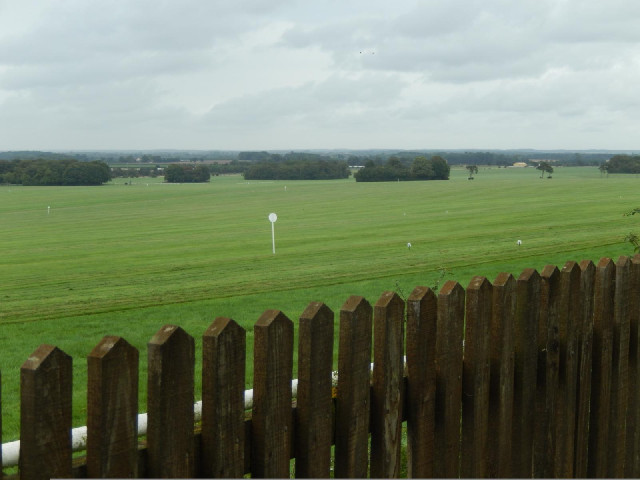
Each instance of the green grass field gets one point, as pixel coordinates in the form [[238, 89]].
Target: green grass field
[[127, 259]]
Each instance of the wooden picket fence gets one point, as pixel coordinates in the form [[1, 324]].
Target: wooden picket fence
[[535, 376]]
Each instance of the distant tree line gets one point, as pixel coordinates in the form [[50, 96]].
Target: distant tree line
[[47, 172], [186, 173], [131, 172], [297, 170], [622, 164], [422, 168], [235, 166]]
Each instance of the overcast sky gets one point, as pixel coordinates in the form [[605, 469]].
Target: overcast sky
[[287, 74]]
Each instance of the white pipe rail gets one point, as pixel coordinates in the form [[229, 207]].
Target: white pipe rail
[[11, 450]]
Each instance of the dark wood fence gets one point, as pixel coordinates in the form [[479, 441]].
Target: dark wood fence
[[535, 376]]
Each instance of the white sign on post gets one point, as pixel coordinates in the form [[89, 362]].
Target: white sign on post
[[272, 218]]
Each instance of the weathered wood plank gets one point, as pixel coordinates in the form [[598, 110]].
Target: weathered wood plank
[[585, 351], [501, 355], [272, 371], [353, 399], [475, 379], [547, 383], [223, 384], [569, 315], [170, 382], [314, 421], [112, 409], [45, 414], [450, 332], [619, 371], [387, 386], [603, 312], [632, 461], [525, 371], [421, 385]]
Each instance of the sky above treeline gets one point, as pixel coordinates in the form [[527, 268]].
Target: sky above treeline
[[287, 74]]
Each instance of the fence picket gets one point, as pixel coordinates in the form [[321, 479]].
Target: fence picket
[[547, 385], [584, 331], [632, 460], [353, 404], [475, 379], [501, 353], [170, 441], [112, 409], [568, 323], [421, 381], [450, 331], [619, 371], [314, 416], [45, 414], [223, 378], [603, 311], [525, 370], [387, 386], [271, 419]]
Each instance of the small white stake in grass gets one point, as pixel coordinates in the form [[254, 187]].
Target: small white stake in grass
[[519, 242], [48, 210], [272, 218]]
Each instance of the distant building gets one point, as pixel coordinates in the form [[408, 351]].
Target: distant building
[[520, 164]]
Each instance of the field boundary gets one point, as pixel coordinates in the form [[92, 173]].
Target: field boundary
[[534, 376]]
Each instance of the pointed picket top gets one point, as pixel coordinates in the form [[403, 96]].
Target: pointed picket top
[[605, 262], [503, 279], [355, 303], [43, 354], [623, 261], [272, 317], [571, 267], [528, 274], [389, 298], [549, 271], [478, 283], [109, 346], [586, 265], [420, 293], [169, 334], [221, 324], [449, 287], [316, 310]]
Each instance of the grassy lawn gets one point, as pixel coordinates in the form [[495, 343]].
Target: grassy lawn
[[127, 259]]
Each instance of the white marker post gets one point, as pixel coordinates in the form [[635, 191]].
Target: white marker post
[[272, 218]]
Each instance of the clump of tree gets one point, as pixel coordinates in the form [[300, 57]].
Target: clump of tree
[[297, 170], [622, 164], [422, 168], [545, 167], [45, 172], [186, 173]]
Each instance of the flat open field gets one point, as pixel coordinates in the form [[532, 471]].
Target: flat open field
[[127, 259]]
